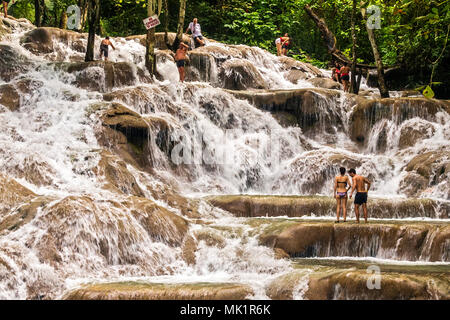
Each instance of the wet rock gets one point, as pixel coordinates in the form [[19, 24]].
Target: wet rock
[[160, 223], [292, 64], [12, 194], [413, 184], [9, 97], [341, 282], [311, 107], [296, 75], [189, 248], [414, 131], [116, 175], [369, 112], [241, 75], [326, 83], [12, 63], [426, 242], [132, 137], [42, 40], [433, 168], [11, 94], [200, 67], [155, 291], [298, 206]]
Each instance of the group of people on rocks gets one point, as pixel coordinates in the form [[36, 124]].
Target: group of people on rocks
[[342, 185], [283, 44], [341, 75]]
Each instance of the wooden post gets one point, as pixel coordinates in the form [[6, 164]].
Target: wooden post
[[94, 22], [150, 61]]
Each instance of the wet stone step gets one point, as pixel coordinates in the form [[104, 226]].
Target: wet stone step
[[325, 279], [398, 240], [160, 291], [298, 206]]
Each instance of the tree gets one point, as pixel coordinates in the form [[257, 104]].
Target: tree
[[384, 92], [353, 86], [40, 12], [94, 25], [150, 60]]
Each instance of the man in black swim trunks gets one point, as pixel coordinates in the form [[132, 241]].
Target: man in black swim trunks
[[5, 7], [359, 183], [104, 46], [180, 57]]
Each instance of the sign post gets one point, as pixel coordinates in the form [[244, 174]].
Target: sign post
[[151, 22]]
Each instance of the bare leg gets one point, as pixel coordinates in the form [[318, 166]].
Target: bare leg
[[278, 49], [357, 212], [338, 208], [364, 206], [344, 207]]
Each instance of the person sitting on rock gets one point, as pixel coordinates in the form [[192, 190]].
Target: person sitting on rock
[[359, 183], [180, 58], [5, 7], [335, 72], [104, 46], [196, 31]]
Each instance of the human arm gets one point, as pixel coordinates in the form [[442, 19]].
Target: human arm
[[184, 45], [335, 187], [353, 188], [366, 181], [349, 184]]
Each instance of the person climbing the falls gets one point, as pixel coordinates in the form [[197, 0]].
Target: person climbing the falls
[[180, 58], [359, 183], [345, 76], [196, 31], [5, 7], [341, 186], [104, 47]]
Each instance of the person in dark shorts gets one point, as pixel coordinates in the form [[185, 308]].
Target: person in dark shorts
[[180, 58], [359, 183], [5, 7], [104, 46], [285, 44], [341, 186], [345, 77]]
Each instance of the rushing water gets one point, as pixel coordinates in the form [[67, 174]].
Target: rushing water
[[86, 232]]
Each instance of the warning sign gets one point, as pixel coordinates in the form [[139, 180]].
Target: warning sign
[[151, 22]]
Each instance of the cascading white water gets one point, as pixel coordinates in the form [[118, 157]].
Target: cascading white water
[[50, 146]]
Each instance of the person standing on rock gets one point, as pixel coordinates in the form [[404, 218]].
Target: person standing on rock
[[104, 47], [196, 31], [359, 183], [345, 77], [335, 72], [180, 58], [341, 186], [5, 7]]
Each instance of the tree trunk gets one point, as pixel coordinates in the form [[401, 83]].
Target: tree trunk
[[166, 23], [353, 86], [181, 20], [384, 92], [83, 5], [94, 22], [330, 39], [63, 21], [37, 13], [150, 60]]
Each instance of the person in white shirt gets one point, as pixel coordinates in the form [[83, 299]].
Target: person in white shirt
[[196, 31]]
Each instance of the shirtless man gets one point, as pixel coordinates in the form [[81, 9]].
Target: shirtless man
[[180, 57], [104, 46], [359, 183]]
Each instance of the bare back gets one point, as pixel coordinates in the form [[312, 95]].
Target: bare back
[[359, 183]]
